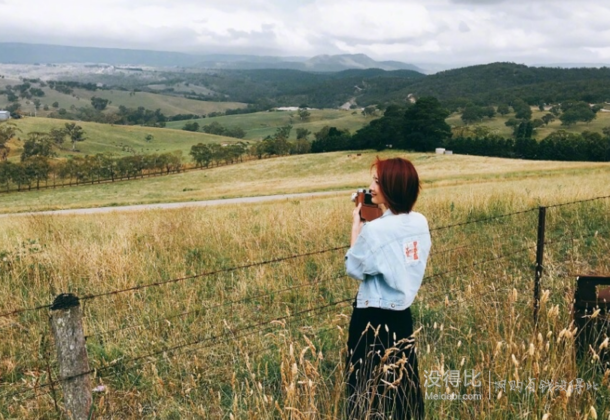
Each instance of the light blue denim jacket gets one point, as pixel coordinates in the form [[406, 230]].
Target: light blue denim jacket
[[389, 258]]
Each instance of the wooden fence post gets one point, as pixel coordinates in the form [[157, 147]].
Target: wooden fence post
[[67, 327], [539, 260]]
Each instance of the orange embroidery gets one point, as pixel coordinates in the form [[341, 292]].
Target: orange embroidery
[[412, 252]]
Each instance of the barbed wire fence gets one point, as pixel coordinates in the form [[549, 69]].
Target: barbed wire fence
[[493, 254]]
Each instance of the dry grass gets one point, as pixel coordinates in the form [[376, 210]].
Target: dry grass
[[294, 174], [477, 318]]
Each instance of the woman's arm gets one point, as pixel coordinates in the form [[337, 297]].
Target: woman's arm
[[357, 224]]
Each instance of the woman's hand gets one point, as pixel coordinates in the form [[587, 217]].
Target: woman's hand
[[357, 224], [356, 214]]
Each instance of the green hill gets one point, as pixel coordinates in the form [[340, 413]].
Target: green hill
[[261, 124], [497, 124], [503, 82], [168, 104], [119, 139], [483, 84]]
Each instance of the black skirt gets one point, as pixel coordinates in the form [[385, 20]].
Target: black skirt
[[382, 376]]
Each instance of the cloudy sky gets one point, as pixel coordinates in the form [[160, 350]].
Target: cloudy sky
[[424, 31]]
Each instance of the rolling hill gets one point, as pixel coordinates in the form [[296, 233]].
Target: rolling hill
[[120, 140]]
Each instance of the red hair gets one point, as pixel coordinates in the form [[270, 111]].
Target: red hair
[[399, 183]]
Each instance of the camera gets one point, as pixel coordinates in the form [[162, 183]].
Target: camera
[[369, 210]]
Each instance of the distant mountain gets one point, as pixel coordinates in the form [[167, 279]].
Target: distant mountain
[[502, 83], [18, 53], [21, 53], [319, 63], [353, 61]]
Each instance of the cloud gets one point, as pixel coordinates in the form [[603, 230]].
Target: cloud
[[464, 31], [464, 27], [479, 2]]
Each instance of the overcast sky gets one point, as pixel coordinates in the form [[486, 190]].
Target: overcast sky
[[424, 31]]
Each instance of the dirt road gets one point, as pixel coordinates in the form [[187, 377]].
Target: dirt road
[[141, 207]]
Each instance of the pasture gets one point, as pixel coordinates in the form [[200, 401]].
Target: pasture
[[259, 125], [266, 342], [292, 174], [121, 140], [497, 124], [168, 104]]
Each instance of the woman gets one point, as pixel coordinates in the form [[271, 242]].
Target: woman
[[388, 256]]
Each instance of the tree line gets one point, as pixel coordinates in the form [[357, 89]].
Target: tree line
[[38, 170], [422, 127]]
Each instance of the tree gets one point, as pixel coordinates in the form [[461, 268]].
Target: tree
[[19, 175], [6, 170], [301, 146], [525, 146], [537, 123], [214, 128], [471, 114], [574, 112], [555, 110], [304, 114], [524, 130], [37, 144], [548, 118], [382, 132], [55, 104], [149, 138], [7, 131], [14, 108], [596, 146], [75, 132], [425, 127], [280, 140], [99, 103], [330, 139], [236, 132], [503, 109], [488, 111], [57, 135], [302, 133], [522, 109], [191, 126], [171, 161], [369, 110], [37, 168], [201, 154], [107, 166]]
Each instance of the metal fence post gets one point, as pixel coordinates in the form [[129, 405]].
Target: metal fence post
[[67, 327], [539, 260]]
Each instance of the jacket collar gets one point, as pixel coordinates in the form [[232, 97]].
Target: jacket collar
[[386, 213]]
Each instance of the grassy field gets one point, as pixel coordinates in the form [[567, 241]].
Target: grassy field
[[169, 105], [122, 140], [118, 139], [300, 173], [261, 124], [269, 346], [497, 125]]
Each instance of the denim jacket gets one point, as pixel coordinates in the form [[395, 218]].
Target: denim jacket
[[389, 259]]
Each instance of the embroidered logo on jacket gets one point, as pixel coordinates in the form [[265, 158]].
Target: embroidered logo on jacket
[[411, 252]]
